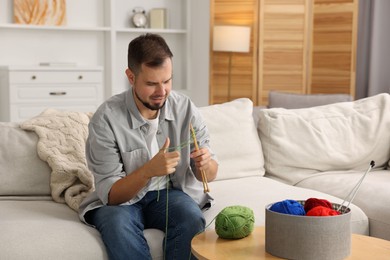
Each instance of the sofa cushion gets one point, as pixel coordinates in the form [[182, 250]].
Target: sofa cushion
[[234, 139], [46, 230], [292, 100], [21, 170], [343, 136], [50, 230]]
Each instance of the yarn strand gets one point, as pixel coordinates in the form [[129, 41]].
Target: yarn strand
[[166, 220]]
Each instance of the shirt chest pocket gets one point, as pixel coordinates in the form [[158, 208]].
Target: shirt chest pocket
[[134, 159]]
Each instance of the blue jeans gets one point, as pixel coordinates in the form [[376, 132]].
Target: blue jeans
[[121, 227]]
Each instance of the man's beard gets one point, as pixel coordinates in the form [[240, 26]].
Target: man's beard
[[146, 104]]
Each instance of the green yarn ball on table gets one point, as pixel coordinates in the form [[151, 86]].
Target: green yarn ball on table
[[234, 222]]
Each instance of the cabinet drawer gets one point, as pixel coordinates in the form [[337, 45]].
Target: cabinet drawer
[[39, 77], [24, 112], [53, 93]]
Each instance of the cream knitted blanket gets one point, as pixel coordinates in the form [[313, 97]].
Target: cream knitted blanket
[[61, 144]]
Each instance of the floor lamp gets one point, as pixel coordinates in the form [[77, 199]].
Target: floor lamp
[[231, 38]]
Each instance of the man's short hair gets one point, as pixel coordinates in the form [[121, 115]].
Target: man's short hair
[[149, 49]]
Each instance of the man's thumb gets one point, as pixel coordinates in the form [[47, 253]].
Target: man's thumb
[[166, 145]]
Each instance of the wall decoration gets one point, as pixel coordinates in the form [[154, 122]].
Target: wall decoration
[[40, 12]]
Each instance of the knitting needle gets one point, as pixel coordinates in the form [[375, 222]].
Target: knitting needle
[[356, 188], [203, 174]]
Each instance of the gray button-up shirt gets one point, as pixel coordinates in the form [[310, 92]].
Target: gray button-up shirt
[[116, 145]]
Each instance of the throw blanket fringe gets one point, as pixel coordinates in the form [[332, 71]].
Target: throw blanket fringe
[[62, 136]]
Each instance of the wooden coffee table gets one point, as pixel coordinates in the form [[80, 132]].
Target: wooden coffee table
[[208, 245]]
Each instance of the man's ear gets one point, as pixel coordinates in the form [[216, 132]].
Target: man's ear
[[130, 76]]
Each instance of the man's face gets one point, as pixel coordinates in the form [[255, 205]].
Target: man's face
[[151, 87]]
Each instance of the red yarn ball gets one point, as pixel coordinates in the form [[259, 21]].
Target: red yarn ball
[[322, 211], [314, 202]]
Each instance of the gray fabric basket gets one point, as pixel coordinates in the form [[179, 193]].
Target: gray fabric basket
[[306, 237]]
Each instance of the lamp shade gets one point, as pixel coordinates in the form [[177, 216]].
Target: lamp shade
[[231, 38]]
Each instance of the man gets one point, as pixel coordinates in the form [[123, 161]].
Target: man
[[147, 172]]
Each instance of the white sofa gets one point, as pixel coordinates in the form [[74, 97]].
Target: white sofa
[[33, 226]]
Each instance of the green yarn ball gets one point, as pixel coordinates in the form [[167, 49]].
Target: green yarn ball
[[234, 222]]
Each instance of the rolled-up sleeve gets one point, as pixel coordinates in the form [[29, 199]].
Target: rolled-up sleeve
[[103, 159]]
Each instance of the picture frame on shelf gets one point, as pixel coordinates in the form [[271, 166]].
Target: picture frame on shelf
[[40, 12], [158, 18]]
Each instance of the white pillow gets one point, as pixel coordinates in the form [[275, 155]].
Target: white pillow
[[292, 101], [21, 170], [298, 143], [234, 139]]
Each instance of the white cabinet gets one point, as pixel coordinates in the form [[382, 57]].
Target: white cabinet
[[27, 91], [98, 32]]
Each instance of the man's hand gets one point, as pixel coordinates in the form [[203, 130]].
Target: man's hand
[[163, 163], [201, 158], [204, 162]]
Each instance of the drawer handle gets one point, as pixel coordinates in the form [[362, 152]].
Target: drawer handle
[[59, 93], [81, 77], [33, 77]]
